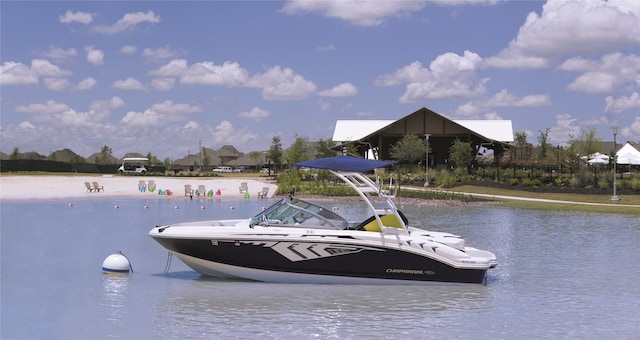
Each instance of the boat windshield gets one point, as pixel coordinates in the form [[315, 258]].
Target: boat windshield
[[296, 212]]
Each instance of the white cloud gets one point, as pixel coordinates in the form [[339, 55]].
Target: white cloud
[[324, 105], [45, 68], [566, 127], [169, 107], [276, 83], [369, 13], [622, 103], [129, 22], [282, 84], [411, 73], [60, 54], [86, 84], [95, 57], [162, 53], [359, 13], [116, 102], [605, 75], [26, 125], [148, 118], [504, 98], [632, 132], [174, 68], [492, 116], [468, 109], [63, 84], [56, 84], [81, 17], [255, 113], [62, 117], [342, 90], [449, 75], [569, 28], [107, 105], [191, 125], [129, 84], [49, 107], [12, 73], [223, 131], [128, 49], [207, 73], [159, 114], [163, 84]]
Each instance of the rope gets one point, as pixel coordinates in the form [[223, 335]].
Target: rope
[[125, 256]]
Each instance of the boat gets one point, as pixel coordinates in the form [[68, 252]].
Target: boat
[[298, 241]]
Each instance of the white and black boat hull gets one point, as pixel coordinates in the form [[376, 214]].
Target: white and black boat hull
[[314, 262]]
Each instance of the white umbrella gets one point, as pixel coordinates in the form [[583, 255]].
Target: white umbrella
[[597, 158]]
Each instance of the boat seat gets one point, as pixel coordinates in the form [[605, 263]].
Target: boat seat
[[371, 224]]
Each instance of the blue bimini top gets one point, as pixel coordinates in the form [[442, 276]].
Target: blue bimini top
[[345, 163]]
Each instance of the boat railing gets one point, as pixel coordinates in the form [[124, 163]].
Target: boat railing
[[366, 188]]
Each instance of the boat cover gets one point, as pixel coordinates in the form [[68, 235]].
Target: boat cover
[[345, 163]]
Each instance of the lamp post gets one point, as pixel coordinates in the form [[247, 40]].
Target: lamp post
[[426, 166], [615, 160]]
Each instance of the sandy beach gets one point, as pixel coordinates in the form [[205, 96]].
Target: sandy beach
[[73, 187]]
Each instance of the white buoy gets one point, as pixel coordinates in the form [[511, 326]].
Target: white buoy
[[116, 263]]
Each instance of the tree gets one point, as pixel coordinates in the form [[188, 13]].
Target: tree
[[105, 155], [461, 154], [168, 163], [298, 151], [543, 138], [324, 148], [410, 149], [152, 159], [352, 148], [588, 142], [15, 155], [275, 150], [77, 159], [521, 138]]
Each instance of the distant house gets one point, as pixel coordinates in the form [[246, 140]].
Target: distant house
[[209, 158]]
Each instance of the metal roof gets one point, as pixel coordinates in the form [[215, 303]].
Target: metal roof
[[354, 130], [498, 130]]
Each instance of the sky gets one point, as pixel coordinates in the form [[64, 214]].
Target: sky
[[167, 76]]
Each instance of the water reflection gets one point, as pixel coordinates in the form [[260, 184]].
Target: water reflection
[[114, 296], [254, 309]]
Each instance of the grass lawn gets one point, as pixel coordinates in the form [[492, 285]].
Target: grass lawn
[[628, 204]]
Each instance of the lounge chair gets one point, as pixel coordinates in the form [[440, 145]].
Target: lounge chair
[[244, 187], [89, 187], [151, 186], [263, 193], [201, 190], [142, 186], [187, 190], [97, 187]]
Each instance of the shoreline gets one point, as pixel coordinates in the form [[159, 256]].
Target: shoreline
[[56, 187], [21, 188]]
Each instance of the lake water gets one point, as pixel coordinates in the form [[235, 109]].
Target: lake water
[[561, 275]]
